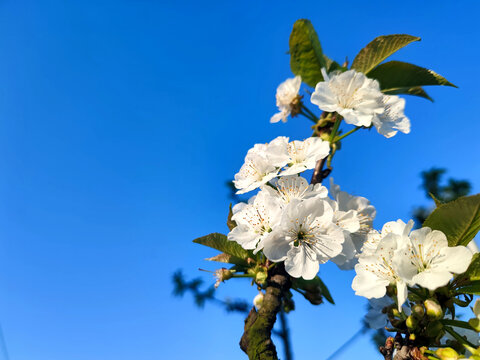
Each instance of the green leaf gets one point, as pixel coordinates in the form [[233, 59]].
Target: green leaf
[[473, 271], [332, 65], [414, 91], [379, 49], [230, 223], [459, 219], [306, 56], [434, 198], [220, 242], [316, 285], [228, 259], [395, 75]]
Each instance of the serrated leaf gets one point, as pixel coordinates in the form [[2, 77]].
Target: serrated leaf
[[332, 65], [306, 56], [473, 271], [230, 223], [414, 91], [459, 219], [314, 285], [220, 242], [379, 49], [434, 198], [228, 259], [394, 75]]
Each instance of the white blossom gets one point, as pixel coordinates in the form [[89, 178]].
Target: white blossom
[[355, 215], [376, 270], [433, 261], [287, 96], [288, 188], [373, 237], [351, 94], [392, 119], [303, 155], [306, 238], [262, 164], [255, 220]]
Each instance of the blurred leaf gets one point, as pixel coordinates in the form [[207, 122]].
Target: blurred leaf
[[229, 259], [230, 223], [394, 75], [414, 91], [314, 286], [379, 49], [459, 220], [306, 56], [473, 271], [220, 242]]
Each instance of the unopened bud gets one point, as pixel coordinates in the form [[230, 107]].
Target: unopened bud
[[434, 310], [325, 136], [418, 311], [447, 354], [411, 322], [395, 312], [475, 323], [261, 277], [258, 301]]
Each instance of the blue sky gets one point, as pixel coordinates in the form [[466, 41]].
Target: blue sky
[[120, 122]]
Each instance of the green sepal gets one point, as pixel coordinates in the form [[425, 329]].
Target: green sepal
[[379, 49], [459, 219]]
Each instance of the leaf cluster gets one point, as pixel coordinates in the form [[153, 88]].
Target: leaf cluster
[[395, 77]]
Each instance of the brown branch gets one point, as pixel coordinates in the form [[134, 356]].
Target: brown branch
[[256, 341], [320, 173]]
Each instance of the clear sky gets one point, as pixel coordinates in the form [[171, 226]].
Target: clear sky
[[120, 122]]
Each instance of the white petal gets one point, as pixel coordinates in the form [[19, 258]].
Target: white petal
[[300, 264], [432, 279], [368, 284], [275, 246]]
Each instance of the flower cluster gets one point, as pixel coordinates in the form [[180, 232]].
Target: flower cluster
[[279, 158], [292, 221], [352, 95], [400, 257]]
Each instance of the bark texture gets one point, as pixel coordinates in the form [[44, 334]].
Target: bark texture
[[256, 341]]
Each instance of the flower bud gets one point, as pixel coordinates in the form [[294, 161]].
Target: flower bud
[[475, 323], [395, 312], [411, 322], [325, 136], [261, 277], [418, 311], [434, 310], [258, 301], [447, 354]]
